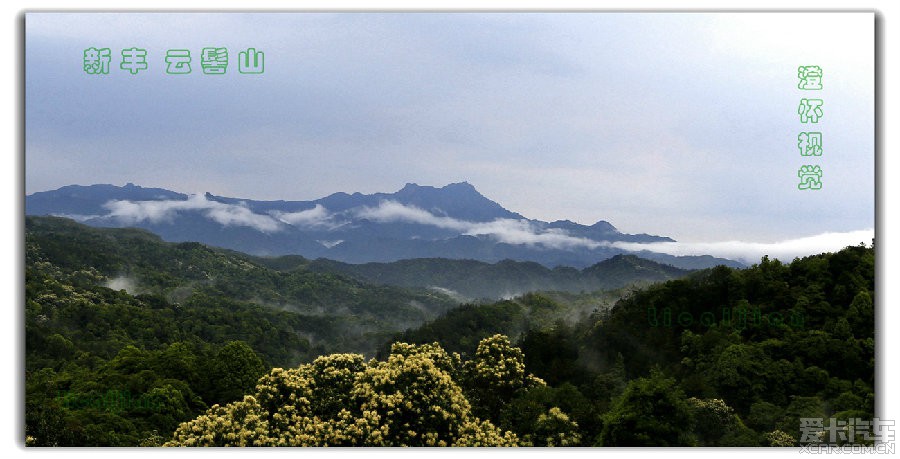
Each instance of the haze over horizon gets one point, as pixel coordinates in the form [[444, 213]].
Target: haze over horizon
[[681, 125]]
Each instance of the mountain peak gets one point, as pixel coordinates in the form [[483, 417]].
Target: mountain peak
[[453, 187], [458, 200], [466, 186], [605, 226], [632, 261]]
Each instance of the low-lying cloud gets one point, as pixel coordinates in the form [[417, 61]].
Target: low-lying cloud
[[122, 283], [164, 211], [131, 212], [330, 244], [318, 216], [523, 232], [752, 252], [509, 231], [393, 211]]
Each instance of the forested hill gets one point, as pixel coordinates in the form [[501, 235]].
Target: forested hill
[[115, 318], [723, 357], [471, 279], [132, 341], [142, 264]]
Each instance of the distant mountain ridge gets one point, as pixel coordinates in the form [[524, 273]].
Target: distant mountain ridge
[[458, 200], [502, 280], [454, 222]]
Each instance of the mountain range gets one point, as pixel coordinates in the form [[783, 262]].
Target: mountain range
[[452, 222], [318, 312], [467, 280]]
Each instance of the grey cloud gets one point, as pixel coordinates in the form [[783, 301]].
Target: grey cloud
[[752, 252], [524, 232], [509, 231], [318, 216], [392, 211], [165, 211], [330, 244]]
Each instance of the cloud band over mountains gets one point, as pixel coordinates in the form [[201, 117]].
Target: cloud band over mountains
[[752, 252], [505, 230], [509, 231], [132, 212]]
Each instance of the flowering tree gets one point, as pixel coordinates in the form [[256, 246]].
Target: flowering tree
[[410, 399]]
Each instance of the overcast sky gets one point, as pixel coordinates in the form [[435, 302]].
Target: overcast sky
[[680, 124]]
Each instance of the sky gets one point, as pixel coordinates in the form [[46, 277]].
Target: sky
[[677, 124]]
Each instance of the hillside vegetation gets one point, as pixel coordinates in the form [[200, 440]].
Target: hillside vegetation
[[756, 349], [184, 326], [472, 280], [134, 341]]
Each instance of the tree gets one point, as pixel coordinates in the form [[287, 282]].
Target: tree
[[780, 438], [651, 412], [861, 314], [737, 374], [551, 416], [233, 372], [764, 415], [409, 399], [712, 419], [800, 407], [716, 424], [554, 428], [495, 375]]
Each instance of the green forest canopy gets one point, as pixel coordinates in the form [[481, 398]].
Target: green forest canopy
[[108, 367]]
